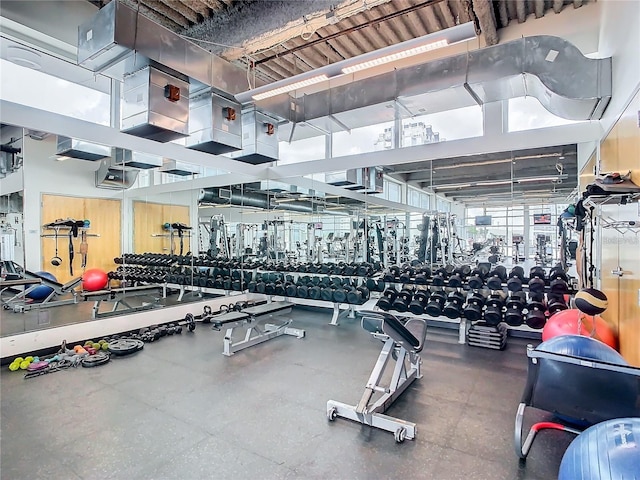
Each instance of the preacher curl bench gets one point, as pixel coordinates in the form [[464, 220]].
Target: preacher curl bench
[[403, 343], [257, 331]]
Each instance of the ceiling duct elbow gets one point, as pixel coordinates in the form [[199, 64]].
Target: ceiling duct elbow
[[114, 177], [215, 124], [72, 148], [567, 83]]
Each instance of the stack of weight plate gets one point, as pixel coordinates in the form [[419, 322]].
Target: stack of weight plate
[[487, 336]]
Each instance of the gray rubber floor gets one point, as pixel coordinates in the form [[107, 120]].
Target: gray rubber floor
[[181, 410]]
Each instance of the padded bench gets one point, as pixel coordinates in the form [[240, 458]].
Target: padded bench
[[119, 298], [257, 331], [403, 342], [32, 281]]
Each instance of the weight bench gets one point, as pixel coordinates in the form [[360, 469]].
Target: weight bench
[[257, 331], [585, 390], [32, 281], [403, 343], [119, 297]]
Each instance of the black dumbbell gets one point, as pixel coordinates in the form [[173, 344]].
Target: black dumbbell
[[494, 310], [558, 280], [476, 279], [473, 309], [459, 275], [537, 280], [516, 278], [302, 291], [402, 301], [419, 302], [326, 293], [436, 302], [358, 296], [514, 307], [556, 303], [387, 299], [536, 317], [423, 273], [453, 306], [497, 277], [290, 289], [340, 295], [315, 292], [439, 277]]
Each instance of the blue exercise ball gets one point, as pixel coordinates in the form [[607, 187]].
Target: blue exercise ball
[[582, 347], [606, 451], [42, 291]]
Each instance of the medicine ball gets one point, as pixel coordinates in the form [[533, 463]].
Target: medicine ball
[[591, 301], [94, 279]]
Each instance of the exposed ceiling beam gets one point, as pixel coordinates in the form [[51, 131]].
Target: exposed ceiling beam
[[502, 12], [197, 6], [557, 5], [577, 3], [447, 14], [354, 28], [539, 8], [169, 12], [484, 11], [521, 11]]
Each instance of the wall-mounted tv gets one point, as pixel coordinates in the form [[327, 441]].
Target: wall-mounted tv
[[542, 219], [483, 220]]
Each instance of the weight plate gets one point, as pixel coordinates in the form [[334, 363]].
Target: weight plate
[[96, 360], [125, 346]]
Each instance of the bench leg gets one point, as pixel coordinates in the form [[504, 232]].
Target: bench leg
[[255, 335]]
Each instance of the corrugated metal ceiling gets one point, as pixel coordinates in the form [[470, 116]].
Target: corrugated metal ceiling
[[285, 38]]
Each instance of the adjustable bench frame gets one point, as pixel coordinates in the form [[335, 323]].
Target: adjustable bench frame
[[119, 297], [257, 331], [406, 369], [31, 281]]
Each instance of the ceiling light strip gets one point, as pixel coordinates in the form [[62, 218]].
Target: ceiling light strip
[[396, 56], [292, 86]]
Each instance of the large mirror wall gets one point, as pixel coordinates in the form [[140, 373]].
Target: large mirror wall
[[504, 203]]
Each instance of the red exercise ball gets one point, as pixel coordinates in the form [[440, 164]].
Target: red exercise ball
[[94, 279], [574, 322]]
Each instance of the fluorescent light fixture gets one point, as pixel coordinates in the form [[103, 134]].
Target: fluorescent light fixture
[[396, 56], [446, 187], [497, 182], [284, 200], [473, 164], [540, 179], [392, 53], [290, 87]]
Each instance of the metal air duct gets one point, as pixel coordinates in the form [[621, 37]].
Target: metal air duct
[[567, 83], [119, 40], [179, 168], [219, 196], [127, 158], [215, 123], [72, 148], [155, 105], [259, 138]]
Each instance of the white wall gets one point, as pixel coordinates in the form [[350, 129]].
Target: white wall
[[620, 39]]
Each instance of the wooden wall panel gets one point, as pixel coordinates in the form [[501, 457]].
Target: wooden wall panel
[[105, 218], [148, 219], [620, 151]]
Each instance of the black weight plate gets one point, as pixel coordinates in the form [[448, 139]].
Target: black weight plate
[[96, 360], [125, 346]]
